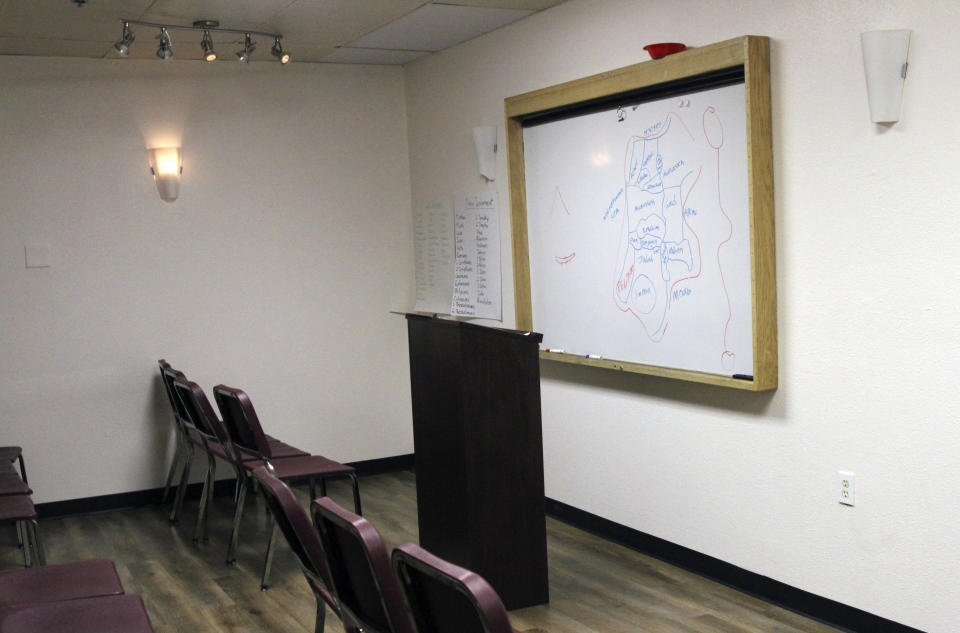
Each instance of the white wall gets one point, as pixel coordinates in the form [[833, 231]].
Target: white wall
[[868, 305], [273, 272]]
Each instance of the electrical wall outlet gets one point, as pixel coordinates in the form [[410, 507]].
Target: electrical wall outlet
[[847, 487]]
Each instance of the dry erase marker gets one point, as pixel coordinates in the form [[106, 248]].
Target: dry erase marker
[[593, 356], [554, 351]]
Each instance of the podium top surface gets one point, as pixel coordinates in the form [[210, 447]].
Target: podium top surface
[[414, 316]]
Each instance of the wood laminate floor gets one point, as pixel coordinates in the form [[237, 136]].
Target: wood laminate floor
[[595, 585]]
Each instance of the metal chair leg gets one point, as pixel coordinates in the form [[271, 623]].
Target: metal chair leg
[[23, 469], [177, 457], [356, 493], [321, 616], [39, 555], [27, 559], [323, 489], [182, 486], [313, 489], [200, 533], [19, 534], [268, 561], [237, 515]]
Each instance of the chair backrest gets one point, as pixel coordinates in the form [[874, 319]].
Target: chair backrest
[[363, 583], [241, 420], [169, 374], [295, 525], [201, 415], [445, 598]]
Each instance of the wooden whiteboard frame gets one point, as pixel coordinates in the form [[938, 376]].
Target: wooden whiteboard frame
[[753, 54]]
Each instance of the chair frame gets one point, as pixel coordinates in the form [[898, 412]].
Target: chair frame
[[327, 512], [292, 519], [183, 449], [248, 438], [200, 416], [488, 606]]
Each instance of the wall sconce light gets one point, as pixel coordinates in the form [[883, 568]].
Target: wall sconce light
[[885, 67], [166, 166], [485, 140]]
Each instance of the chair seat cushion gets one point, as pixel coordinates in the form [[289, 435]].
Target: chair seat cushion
[[10, 453], [309, 467], [16, 508], [11, 484], [68, 581], [282, 450], [108, 614]]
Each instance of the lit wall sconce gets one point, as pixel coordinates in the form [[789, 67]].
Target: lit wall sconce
[[166, 167], [485, 140], [885, 66]]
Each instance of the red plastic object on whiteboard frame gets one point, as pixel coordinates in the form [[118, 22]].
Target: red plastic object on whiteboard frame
[[663, 49]]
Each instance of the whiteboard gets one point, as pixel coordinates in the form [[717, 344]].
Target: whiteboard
[[639, 233]]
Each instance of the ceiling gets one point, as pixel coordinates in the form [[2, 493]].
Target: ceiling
[[333, 31]]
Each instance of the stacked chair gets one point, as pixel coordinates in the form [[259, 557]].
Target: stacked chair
[[251, 442], [239, 440], [16, 505], [79, 597], [347, 566], [342, 556]]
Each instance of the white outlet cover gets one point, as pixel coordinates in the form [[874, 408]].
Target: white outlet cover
[[847, 485], [37, 255]]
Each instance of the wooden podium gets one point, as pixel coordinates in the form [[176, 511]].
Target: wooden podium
[[479, 452]]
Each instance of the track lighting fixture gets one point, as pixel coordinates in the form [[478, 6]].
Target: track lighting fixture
[[207, 45], [165, 48], [277, 51], [123, 44], [248, 47]]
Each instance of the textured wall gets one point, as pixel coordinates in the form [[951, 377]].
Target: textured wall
[[868, 310], [273, 272]]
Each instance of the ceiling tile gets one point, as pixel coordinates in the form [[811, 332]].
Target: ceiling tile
[[435, 27], [336, 22], [59, 19], [53, 48], [529, 5], [348, 55], [232, 14]]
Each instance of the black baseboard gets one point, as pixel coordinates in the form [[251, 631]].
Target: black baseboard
[[137, 498], [776, 592]]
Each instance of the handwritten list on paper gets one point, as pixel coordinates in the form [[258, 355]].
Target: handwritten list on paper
[[476, 278], [433, 256]]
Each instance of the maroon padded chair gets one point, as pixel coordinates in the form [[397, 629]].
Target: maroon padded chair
[[294, 522], [444, 598], [67, 581], [183, 445], [107, 614], [19, 510], [12, 484], [190, 438], [246, 433], [363, 582], [10, 454], [201, 422]]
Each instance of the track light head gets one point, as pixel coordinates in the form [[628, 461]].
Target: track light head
[[164, 50], [207, 45], [206, 27], [123, 44], [248, 47], [277, 51]]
